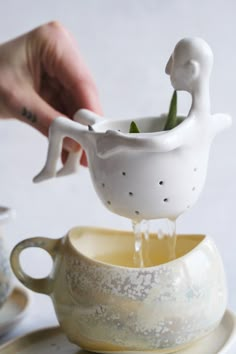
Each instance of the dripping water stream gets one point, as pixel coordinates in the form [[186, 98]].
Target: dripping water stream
[[141, 229]]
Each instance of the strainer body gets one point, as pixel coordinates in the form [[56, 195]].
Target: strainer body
[[150, 185]]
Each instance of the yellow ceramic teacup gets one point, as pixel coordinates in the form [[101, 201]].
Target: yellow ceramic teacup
[[104, 304]]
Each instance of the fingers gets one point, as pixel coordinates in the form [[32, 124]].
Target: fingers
[[42, 116], [47, 52], [83, 160], [24, 92], [32, 109], [61, 59]]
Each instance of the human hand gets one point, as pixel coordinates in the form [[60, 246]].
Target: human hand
[[43, 76]]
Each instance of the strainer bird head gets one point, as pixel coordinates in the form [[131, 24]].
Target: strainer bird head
[[153, 174]]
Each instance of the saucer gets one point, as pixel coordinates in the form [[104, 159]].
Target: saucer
[[53, 341], [13, 309]]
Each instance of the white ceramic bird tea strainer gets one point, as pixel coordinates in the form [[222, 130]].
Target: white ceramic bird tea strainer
[[153, 174]]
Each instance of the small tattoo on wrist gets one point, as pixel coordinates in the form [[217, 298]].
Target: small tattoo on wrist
[[29, 115]]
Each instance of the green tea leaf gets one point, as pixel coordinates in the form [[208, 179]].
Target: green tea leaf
[[133, 128], [171, 121], [179, 120]]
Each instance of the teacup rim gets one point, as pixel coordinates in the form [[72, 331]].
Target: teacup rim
[[205, 238]]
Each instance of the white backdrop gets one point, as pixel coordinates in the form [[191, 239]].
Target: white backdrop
[[126, 44]]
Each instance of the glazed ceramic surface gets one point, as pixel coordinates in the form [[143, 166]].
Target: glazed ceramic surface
[[154, 174], [105, 307], [53, 341], [13, 310], [5, 272]]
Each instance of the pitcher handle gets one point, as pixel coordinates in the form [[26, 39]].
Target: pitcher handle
[[42, 285]]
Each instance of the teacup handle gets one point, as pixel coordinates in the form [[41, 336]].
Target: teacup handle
[[42, 285]]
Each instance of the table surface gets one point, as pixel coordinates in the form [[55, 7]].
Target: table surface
[[126, 45]]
